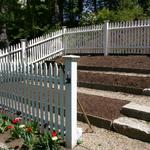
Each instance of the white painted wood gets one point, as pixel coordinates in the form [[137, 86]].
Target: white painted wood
[[23, 45], [62, 102], [21, 67], [25, 89], [105, 44], [51, 96], [16, 88], [28, 93], [45, 95], [1, 81], [5, 87], [11, 94], [8, 88], [32, 92], [71, 100], [41, 95], [56, 95], [37, 92]]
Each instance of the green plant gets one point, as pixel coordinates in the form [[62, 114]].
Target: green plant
[[30, 134], [4, 123], [17, 132], [32, 125], [48, 141], [27, 132]]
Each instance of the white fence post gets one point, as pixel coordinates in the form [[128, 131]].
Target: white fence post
[[24, 54], [105, 34], [71, 100], [64, 28]]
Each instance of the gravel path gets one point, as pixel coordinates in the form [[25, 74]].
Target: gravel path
[[3, 146], [103, 139], [145, 100]]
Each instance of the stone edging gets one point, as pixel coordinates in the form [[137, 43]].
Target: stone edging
[[126, 70], [116, 88], [96, 121]]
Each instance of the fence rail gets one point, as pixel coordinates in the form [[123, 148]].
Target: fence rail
[[131, 37]]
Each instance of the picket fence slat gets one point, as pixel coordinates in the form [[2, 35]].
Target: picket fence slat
[[32, 93], [45, 96], [51, 96], [61, 95], [56, 95], [41, 96]]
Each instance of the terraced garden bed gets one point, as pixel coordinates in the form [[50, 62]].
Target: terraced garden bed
[[101, 106], [136, 62], [114, 79]]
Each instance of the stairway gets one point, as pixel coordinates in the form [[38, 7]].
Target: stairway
[[114, 81], [135, 123]]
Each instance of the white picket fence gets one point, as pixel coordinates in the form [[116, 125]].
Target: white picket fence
[[132, 37], [45, 94], [35, 50]]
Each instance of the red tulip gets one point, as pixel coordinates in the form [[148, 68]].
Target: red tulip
[[54, 134], [16, 120], [9, 127]]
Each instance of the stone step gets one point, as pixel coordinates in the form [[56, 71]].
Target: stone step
[[117, 73], [135, 110], [133, 128]]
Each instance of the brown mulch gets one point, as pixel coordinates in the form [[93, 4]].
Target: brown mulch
[[114, 79], [137, 62], [101, 106]]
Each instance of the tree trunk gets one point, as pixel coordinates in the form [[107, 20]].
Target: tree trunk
[[3, 32], [95, 5]]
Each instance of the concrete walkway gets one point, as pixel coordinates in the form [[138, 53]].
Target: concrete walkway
[[103, 139]]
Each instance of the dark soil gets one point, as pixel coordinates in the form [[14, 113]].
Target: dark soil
[[101, 106], [114, 79], [136, 62]]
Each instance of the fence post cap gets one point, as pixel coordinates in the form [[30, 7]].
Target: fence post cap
[[23, 40], [106, 21], [71, 57], [63, 27]]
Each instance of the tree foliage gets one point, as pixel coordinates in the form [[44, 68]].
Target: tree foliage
[[32, 18]]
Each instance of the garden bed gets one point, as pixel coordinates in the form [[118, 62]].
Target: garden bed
[[17, 134], [135, 62], [114, 80], [103, 107]]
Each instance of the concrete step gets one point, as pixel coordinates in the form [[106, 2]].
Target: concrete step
[[133, 128], [135, 110]]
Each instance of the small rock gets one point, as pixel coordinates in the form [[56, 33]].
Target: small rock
[[3, 146]]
